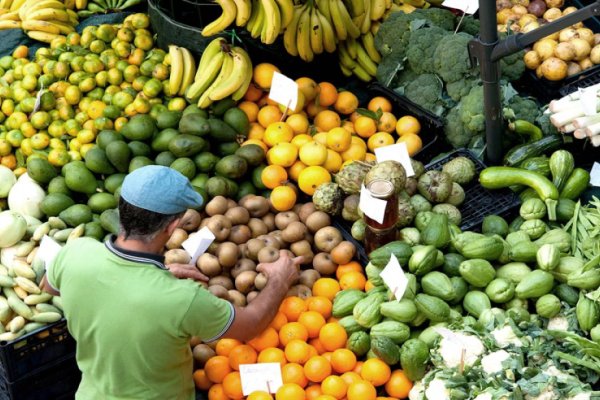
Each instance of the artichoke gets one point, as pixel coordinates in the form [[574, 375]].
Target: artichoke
[[460, 169], [328, 197]]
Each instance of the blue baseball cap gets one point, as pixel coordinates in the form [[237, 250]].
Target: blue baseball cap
[[160, 189]]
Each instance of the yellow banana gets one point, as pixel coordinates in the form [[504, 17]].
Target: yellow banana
[[351, 48], [16, 4], [10, 25], [358, 7], [204, 100], [346, 71], [338, 24], [4, 11], [210, 51], [64, 27], [5, 4], [377, 9], [243, 11], [48, 14], [388, 4], [176, 75], [365, 61], [323, 7], [272, 25], [329, 42], [45, 4], [206, 78], [368, 42], [345, 58], [189, 70], [366, 24], [316, 32], [361, 73], [42, 26], [291, 31], [303, 37], [286, 8], [259, 20], [351, 28], [70, 4], [73, 17], [80, 4], [42, 36], [232, 82], [11, 16], [227, 16], [241, 91]]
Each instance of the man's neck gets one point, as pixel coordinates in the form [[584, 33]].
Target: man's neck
[[154, 246]]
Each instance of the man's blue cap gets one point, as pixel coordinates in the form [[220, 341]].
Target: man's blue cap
[[160, 189]]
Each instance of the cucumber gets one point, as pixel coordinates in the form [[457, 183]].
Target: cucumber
[[577, 182], [526, 129], [520, 153]]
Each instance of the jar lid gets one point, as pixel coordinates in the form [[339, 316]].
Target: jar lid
[[381, 188]]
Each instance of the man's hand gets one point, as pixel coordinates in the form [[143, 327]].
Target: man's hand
[[187, 271], [285, 270]]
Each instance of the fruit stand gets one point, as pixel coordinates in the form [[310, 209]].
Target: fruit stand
[[476, 276]]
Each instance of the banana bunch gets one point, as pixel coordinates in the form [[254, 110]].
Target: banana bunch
[[359, 57], [41, 20], [270, 18], [183, 70], [310, 32], [223, 71], [90, 7]]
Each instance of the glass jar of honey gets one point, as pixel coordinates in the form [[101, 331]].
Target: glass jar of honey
[[379, 233]]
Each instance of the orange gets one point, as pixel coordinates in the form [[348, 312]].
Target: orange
[[353, 280], [413, 143], [283, 198], [317, 345], [253, 93], [320, 304], [293, 373], [268, 114], [398, 385], [278, 321], [339, 139], [334, 386], [358, 367], [217, 368], [273, 176], [290, 391], [256, 142], [333, 336], [408, 124], [380, 139], [379, 103], [272, 355], [292, 307], [343, 268], [313, 153], [295, 169], [298, 122], [250, 108], [312, 349], [297, 351], [328, 94], [349, 126], [312, 109], [369, 285], [365, 126], [311, 177], [321, 137], [263, 74], [326, 120], [313, 321], [96, 109], [291, 331], [284, 154], [309, 88], [313, 391], [277, 132], [359, 141], [346, 103], [225, 345], [327, 287], [232, 386], [387, 122], [259, 395], [370, 157], [243, 354], [268, 338], [301, 139], [256, 131], [343, 360], [350, 377], [300, 101], [375, 371], [201, 380], [355, 152], [217, 392], [361, 390], [317, 368], [333, 163]]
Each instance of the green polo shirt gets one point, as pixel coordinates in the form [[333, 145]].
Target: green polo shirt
[[132, 320]]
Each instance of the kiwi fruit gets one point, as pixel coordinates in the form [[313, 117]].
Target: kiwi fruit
[[294, 232], [240, 234], [317, 220], [221, 280], [257, 206], [238, 215], [228, 254], [244, 264], [217, 205], [209, 265], [327, 238]]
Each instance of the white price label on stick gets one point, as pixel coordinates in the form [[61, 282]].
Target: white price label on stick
[[197, 243], [394, 278], [395, 152], [450, 336], [262, 376], [595, 175], [588, 99], [284, 90], [48, 250], [466, 6], [372, 207]]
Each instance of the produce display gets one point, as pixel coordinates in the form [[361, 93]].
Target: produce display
[[507, 308]]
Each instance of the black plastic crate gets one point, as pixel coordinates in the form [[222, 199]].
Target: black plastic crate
[[57, 381], [36, 350], [479, 202]]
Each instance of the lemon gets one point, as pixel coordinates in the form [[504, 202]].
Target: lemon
[[380, 139], [278, 132], [302, 139], [333, 163], [339, 139], [282, 154], [313, 153], [311, 177]]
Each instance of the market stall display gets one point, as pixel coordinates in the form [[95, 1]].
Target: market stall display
[[487, 286]]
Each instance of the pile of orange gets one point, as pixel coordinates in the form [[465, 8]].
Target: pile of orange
[[310, 346], [326, 129]]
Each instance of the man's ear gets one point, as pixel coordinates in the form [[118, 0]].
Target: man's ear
[[172, 226]]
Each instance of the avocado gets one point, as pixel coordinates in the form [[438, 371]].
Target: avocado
[[112, 182], [165, 158], [94, 230], [79, 179], [76, 214], [139, 148], [99, 202], [256, 177], [139, 162], [54, 203], [193, 109], [194, 124], [107, 136], [200, 181], [58, 185], [119, 155], [97, 161], [109, 220], [219, 108], [232, 167], [217, 186], [139, 127], [227, 148], [186, 166], [162, 139], [206, 161], [252, 153], [238, 120], [185, 145], [220, 131], [40, 170], [244, 189], [168, 119]]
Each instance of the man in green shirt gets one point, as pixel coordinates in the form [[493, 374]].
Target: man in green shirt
[[133, 316]]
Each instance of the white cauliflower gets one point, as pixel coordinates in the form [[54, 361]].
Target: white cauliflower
[[453, 346], [558, 323], [581, 396], [547, 394], [492, 363], [417, 392], [505, 337], [436, 390], [484, 396]]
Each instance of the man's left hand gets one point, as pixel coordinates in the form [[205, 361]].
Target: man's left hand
[[187, 271]]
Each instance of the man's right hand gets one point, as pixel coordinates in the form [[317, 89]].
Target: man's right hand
[[284, 270]]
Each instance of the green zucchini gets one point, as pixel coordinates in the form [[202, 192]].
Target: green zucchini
[[500, 177], [526, 129], [538, 164], [577, 182], [561, 164], [520, 153]]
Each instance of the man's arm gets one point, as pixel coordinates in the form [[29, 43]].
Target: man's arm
[[45, 286], [251, 320]]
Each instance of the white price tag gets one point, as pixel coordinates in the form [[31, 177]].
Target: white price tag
[[38, 100], [466, 6], [262, 376], [595, 175], [284, 90], [48, 250], [394, 278], [588, 98], [197, 243], [395, 152], [372, 207], [450, 336]]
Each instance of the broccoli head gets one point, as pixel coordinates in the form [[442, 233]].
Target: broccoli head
[[543, 121], [451, 58], [524, 108], [513, 66], [469, 25], [454, 129], [458, 89], [403, 78], [393, 34], [471, 110], [426, 91], [440, 17], [421, 47], [388, 69]]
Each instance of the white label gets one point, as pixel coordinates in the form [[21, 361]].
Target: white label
[[262, 376], [48, 250], [450, 336], [197, 243], [284, 90], [372, 207], [395, 152], [595, 175], [394, 278], [466, 6], [588, 97]]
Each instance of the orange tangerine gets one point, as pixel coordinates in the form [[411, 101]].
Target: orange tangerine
[[355, 152], [343, 360], [350, 377], [292, 307], [217, 368], [259, 395], [283, 198], [321, 137], [291, 331], [379, 103], [398, 385], [328, 94], [250, 108], [283, 153], [313, 153], [339, 139], [273, 176], [313, 391], [262, 75], [256, 131], [380, 139], [253, 93], [333, 163], [201, 380], [278, 321], [370, 157], [294, 373], [290, 391], [349, 126], [311, 177], [268, 338], [333, 336], [408, 124], [297, 351], [361, 390], [225, 345], [387, 123], [312, 109], [327, 287], [295, 169], [298, 122], [309, 88], [375, 371], [326, 120], [301, 139], [317, 368], [268, 114], [334, 386], [313, 321], [365, 126], [413, 143], [320, 304], [277, 132], [346, 103], [232, 386], [216, 392]]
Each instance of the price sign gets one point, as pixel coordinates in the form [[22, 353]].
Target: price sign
[[372, 207], [48, 250], [466, 6], [262, 376], [588, 98], [394, 278], [595, 175], [197, 243], [395, 152], [284, 90]]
